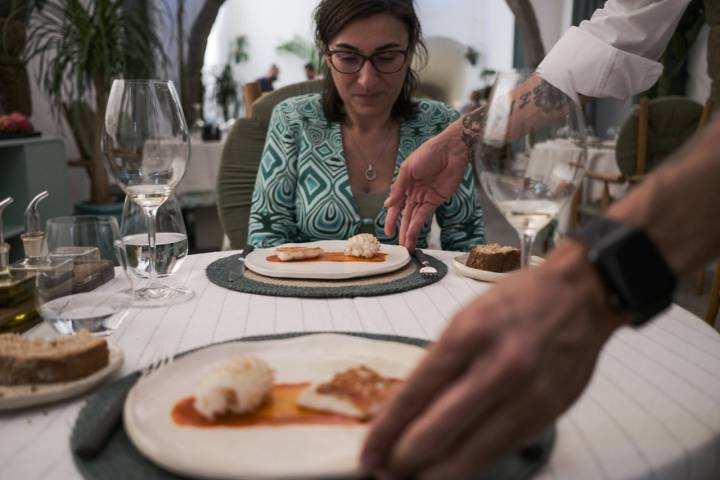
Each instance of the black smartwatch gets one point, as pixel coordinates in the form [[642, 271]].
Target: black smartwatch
[[638, 280]]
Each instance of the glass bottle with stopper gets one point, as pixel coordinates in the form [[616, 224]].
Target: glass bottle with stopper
[[4, 247], [34, 239], [17, 309]]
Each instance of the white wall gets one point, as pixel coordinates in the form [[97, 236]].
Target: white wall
[[554, 19], [485, 25]]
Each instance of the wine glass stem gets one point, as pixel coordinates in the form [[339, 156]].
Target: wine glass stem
[[150, 218], [526, 242]]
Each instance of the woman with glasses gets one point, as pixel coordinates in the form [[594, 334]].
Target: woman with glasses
[[330, 158]]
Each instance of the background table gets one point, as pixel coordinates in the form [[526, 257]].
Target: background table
[[601, 159], [652, 409], [203, 168]]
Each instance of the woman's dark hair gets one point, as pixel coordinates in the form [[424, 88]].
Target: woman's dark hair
[[331, 16]]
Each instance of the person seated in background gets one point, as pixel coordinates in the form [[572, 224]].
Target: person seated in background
[[310, 73], [330, 158], [266, 82]]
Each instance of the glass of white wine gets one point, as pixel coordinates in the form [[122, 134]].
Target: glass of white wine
[[171, 240], [146, 147], [533, 152]]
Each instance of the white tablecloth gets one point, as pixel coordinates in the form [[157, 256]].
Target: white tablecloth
[[652, 409], [202, 170]]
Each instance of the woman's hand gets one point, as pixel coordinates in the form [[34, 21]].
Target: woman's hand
[[427, 178]]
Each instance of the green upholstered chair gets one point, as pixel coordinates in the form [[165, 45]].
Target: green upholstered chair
[[241, 159], [649, 135]]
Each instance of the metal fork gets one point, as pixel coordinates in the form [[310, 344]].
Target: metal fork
[[426, 270], [160, 358]]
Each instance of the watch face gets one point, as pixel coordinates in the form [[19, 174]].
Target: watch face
[[636, 272], [646, 277]]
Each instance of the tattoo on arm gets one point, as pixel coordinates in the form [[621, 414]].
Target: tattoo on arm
[[524, 100], [548, 99], [473, 124]]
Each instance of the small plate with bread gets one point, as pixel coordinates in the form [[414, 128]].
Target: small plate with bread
[[490, 263], [359, 256], [35, 371]]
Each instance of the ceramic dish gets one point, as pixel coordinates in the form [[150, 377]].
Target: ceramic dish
[[22, 396], [278, 452], [397, 257], [484, 275]]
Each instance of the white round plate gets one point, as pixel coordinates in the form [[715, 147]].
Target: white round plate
[[277, 452], [22, 396], [484, 275], [397, 257]]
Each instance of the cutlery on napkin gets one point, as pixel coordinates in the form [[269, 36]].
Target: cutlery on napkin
[[89, 438]]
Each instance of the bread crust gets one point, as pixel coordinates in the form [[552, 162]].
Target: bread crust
[[38, 361]]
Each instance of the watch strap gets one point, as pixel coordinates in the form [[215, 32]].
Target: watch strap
[[638, 280]]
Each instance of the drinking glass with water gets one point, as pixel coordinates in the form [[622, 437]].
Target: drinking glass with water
[[85, 285], [171, 244]]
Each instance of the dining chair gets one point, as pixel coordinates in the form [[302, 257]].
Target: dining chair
[[714, 300], [241, 159], [251, 92], [704, 119], [650, 134]]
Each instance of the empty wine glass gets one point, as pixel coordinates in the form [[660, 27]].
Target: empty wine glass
[[81, 288], [527, 163], [146, 148], [171, 240]]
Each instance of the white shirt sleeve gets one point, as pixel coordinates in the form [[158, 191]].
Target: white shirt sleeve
[[615, 53]]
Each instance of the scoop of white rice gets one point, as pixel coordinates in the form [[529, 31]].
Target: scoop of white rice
[[362, 245], [239, 386]]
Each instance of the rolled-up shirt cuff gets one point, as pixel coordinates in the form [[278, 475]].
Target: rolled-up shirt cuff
[[596, 68]]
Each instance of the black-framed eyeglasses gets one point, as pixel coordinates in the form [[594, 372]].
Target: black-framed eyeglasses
[[387, 61]]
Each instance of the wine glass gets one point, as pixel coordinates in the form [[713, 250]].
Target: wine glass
[[80, 288], [533, 153], [171, 239], [146, 147]]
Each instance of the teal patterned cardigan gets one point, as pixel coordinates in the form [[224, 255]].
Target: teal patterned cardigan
[[302, 191]]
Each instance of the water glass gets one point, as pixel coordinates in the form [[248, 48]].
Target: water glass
[[82, 288], [171, 239]]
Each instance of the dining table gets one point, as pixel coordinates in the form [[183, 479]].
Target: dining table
[[650, 411], [202, 169], [600, 159]]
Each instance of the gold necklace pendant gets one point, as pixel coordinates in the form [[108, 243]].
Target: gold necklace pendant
[[370, 173]]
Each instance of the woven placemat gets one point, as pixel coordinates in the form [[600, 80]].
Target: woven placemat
[[119, 459], [223, 272]]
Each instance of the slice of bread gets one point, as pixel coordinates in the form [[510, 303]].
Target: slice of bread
[[494, 258], [37, 360], [287, 254]]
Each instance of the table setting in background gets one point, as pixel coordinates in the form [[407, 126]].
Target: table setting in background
[[249, 364]]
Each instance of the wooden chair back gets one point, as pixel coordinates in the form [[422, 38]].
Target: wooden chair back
[[714, 301]]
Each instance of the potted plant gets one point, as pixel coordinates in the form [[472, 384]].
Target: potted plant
[[302, 48], [81, 47], [226, 94]]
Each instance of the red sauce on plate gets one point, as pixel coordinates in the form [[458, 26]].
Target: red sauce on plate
[[333, 257], [280, 409]]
